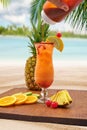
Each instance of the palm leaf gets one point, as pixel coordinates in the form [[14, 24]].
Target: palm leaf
[[5, 2], [42, 29], [78, 17], [35, 10], [39, 31]]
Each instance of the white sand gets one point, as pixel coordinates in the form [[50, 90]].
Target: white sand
[[67, 74]]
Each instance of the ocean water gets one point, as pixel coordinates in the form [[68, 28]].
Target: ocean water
[[16, 49]]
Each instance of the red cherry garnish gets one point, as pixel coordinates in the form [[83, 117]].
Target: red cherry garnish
[[48, 103], [59, 35], [54, 104]]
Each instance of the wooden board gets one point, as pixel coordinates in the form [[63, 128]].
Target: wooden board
[[75, 114]]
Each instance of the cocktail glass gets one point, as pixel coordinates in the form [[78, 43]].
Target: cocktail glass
[[44, 71]]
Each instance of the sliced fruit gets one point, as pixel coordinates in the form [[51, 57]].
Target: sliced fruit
[[63, 98], [7, 101], [31, 99], [28, 93], [68, 96], [58, 43], [53, 97], [20, 98]]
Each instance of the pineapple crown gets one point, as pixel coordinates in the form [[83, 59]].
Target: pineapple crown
[[39, 33], [39, 30]]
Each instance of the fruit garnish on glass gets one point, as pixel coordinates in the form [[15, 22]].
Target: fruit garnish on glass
[[56, 39]]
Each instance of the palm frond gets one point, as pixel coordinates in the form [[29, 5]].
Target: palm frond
[[78, 17], [36, 8], [5, 2]]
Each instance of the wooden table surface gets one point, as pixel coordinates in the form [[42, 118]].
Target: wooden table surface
[[74, 114]]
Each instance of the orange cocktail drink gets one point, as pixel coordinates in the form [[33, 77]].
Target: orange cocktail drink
[[44, 71]]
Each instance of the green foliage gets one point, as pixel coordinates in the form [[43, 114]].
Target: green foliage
[[78, 17], [5, 2], [39, 33], [13, 30], [69, 35], [24, 31], [2, 29], [39, 30], [73, 35], [36, 8]]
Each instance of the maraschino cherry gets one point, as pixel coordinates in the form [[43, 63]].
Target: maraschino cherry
[[51, 104], [59, 35], [54, 104], [48, 103]]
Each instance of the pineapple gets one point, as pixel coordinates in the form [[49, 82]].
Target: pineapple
[[38, 34]]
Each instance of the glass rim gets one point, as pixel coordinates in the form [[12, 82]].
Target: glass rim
[[44, 43]]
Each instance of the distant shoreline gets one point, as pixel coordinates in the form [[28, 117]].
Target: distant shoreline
[[14, 36], [21, 36], [14, 30]]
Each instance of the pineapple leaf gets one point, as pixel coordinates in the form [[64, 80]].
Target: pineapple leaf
[[31, 39], [39, 30], [32, 48]]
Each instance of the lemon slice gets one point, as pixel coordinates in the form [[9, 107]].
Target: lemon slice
[[20, 98], [7, 101], [31, 99], [58, 43]]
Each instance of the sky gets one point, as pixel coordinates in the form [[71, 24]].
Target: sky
[[17, 12]]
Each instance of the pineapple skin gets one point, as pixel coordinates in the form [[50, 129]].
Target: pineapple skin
[[29, 74]]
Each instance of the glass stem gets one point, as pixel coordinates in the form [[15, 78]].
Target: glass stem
[[44, 94]]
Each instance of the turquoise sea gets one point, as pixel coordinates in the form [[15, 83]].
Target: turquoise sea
[[16, 48]]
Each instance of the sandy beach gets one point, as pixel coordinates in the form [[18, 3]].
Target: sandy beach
[[69, 75]]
